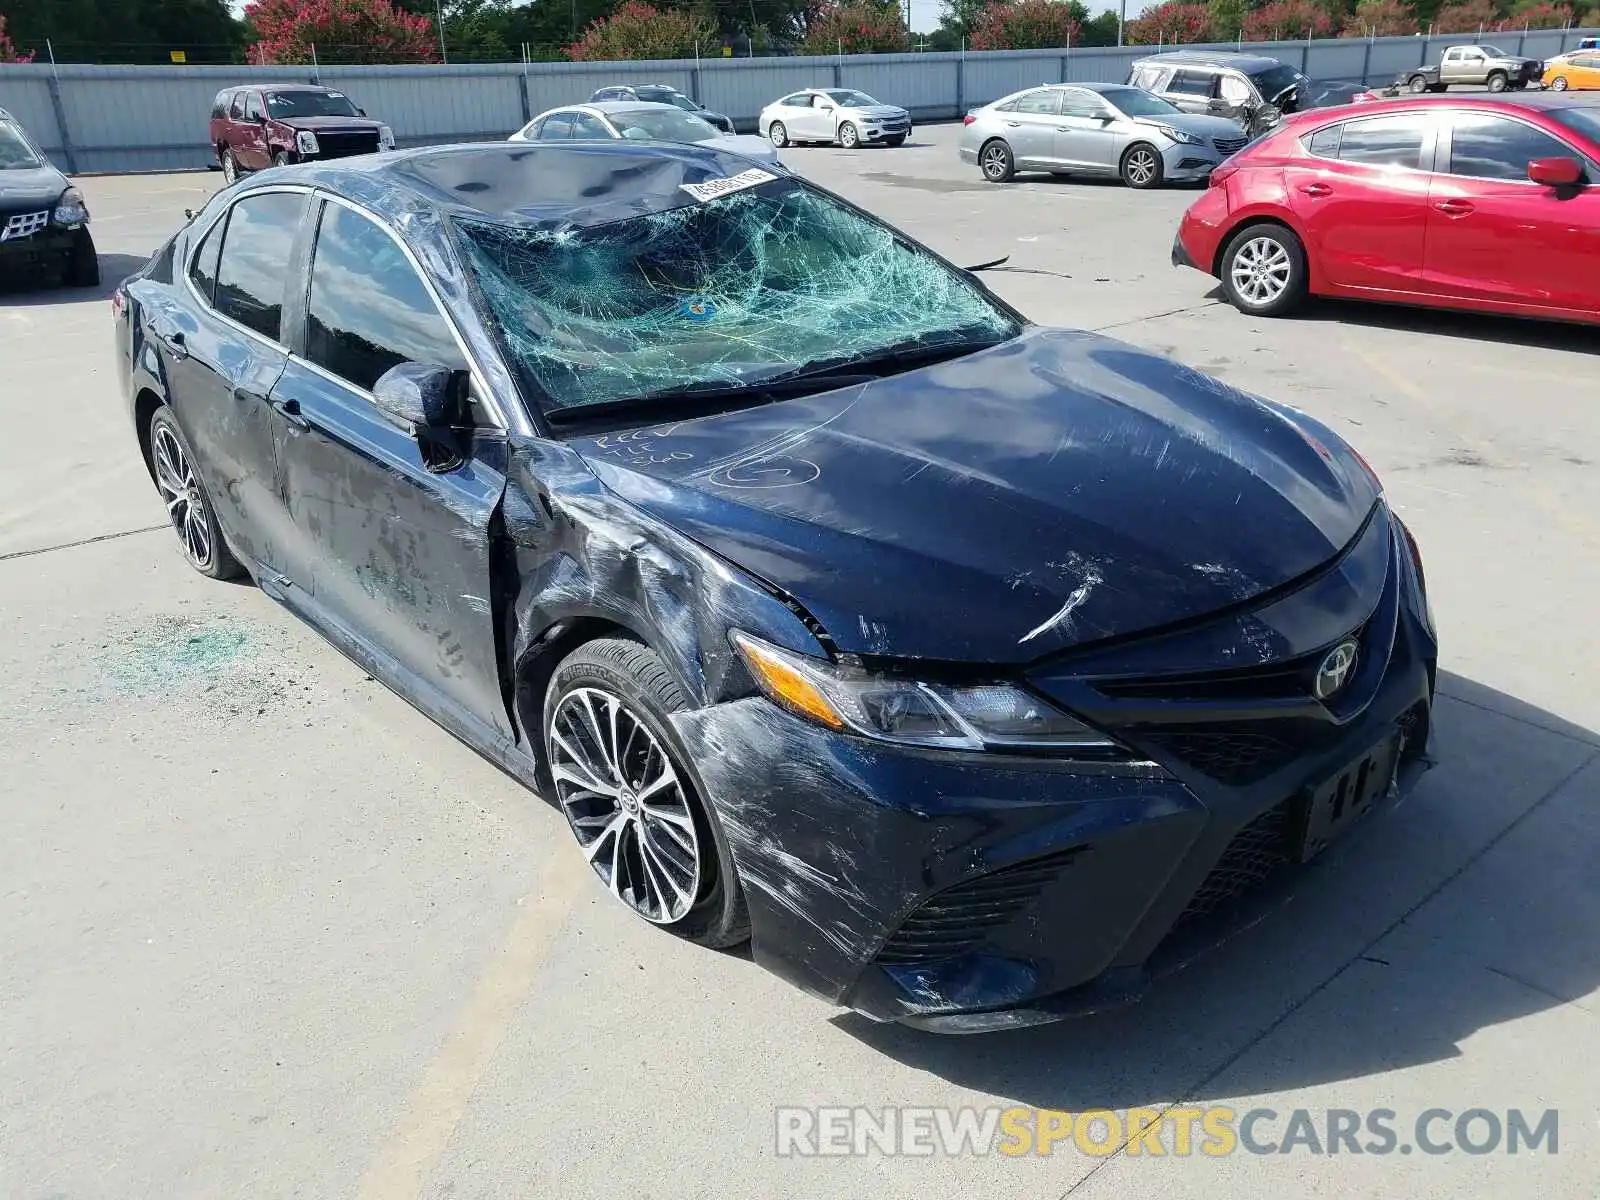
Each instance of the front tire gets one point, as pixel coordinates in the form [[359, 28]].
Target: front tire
[[281, 158], [83, 263], [620, 776], [1498, 81], [778, 134], [996, 163], [1559, 83], [1141, 166], [188, 506], [1264, 271], [898, 140], [849, 136]]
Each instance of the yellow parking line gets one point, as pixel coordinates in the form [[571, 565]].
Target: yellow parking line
[[436, 1104], [1575, 523]]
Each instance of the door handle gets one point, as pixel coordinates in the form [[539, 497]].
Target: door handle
[[1316, 189], [174, 343], [290, 409], [1454, 208], [1013, 124]]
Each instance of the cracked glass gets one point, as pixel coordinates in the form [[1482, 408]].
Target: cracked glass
[[752, 286]]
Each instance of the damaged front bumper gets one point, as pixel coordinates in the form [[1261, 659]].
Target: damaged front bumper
[[962, 892]]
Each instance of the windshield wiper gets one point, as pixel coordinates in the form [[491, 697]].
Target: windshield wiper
[[701, 399]]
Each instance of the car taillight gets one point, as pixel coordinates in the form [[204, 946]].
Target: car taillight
[[968, 119], [119, 304]]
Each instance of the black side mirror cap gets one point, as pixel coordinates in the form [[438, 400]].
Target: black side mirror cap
[[422, 397]]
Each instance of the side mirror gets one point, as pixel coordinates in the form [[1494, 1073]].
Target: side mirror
[[419, 396], [361, 112], [1556, 172]]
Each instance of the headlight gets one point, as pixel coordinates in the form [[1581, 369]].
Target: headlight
[[70, 209], [1180, 136], [306, 142], [993, 716], [385, 138]]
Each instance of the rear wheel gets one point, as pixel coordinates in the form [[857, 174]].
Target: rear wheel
[[1418, 84], [777, 134], [620, 776], [849, 136], [1264, 271], [230, 167], [1141, 166], [996, 163], [1497, 81], [188, 507]]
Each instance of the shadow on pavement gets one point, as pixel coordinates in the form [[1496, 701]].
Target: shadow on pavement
[[114, 268], [1467, 905]]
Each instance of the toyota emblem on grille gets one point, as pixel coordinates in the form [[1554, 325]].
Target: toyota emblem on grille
[[1334, 671]]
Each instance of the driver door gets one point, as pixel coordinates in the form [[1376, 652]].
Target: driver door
[[390, 545], [1084, 131], [253, 154]]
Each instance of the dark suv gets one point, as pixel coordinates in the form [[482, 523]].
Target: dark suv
[[663, 93], [1248, 88], [44, 223], [255, 127]]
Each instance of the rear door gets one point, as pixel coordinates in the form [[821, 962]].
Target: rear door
[[1192, 89], [390, 544], [1360, 193], [221, 343], [253, 153], [1495, 235], [1029, 125]]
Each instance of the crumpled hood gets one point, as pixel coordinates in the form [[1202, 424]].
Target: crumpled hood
[[1052, 491], [36, 187]]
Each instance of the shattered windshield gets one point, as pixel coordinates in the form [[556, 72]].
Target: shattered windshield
[[754, 285], [1274, 81], [15, 152], [662, 124], [309, 104], [850, 98]]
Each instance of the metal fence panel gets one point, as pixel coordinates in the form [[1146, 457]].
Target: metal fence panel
[[117, 119]]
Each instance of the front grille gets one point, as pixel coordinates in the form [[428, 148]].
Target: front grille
[[24, 225], [1227, 753], [959, 918], [344, 145], [1256, 852], [1230, 145]]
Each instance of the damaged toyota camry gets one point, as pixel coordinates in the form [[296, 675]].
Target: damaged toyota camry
[[978, 673]]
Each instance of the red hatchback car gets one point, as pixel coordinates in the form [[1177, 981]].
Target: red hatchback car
[[1466, 202]]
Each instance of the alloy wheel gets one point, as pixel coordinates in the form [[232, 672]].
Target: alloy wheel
[[626, 804], [1560, 83], [230, 169], [1141, 167], [994, 161], [180, 491], [778, 135], [1261, 271], [848, 137]]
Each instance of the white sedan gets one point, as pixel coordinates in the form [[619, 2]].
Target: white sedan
[[611, 119]]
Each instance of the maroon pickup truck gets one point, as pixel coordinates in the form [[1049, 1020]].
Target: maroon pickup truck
[[259, 125]]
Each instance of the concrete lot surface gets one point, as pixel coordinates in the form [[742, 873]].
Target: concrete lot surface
[[268, 932]]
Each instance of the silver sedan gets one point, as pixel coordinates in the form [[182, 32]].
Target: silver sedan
[[1096, 129], [607, 119]]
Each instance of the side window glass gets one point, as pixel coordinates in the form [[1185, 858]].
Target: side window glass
[[236, 111], [1490, 147], [203, 267], [252, 108], [1235, 90], [1384, 141], [586, 126], [1191, 83], [556, 127], [351, 335], [259, 242], [1044, 101], [1324, 143], [1081, 104]]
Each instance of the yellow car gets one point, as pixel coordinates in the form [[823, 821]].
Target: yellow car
[[1577, 71]]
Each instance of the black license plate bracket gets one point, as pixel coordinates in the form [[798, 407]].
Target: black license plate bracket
[[1326, 810]]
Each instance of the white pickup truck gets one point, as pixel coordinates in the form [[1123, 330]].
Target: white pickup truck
[[1485, 65]]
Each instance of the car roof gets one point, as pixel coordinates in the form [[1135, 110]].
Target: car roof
[[1220, 58], [546, 184], [1541, 101]]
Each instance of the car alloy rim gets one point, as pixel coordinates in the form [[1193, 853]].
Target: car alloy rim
[[777, 133], [229, 171], [994, 161], [847, 135], [1141, 166], [180, 491], [1560, 85], [625, 803], [1261, 270]]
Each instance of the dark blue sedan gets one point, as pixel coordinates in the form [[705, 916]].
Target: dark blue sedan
[[978, 672]]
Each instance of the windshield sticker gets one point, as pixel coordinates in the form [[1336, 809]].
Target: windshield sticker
[[712, 189]]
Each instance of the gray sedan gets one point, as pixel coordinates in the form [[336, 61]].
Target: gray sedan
[[608, 119], [1096, 129]]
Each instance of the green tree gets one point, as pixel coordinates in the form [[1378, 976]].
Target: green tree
[[1028, 25], [130, 31], [636, 30], [864, 27], [1100, 30]]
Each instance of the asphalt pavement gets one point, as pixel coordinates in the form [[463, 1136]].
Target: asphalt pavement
[[268, 932]]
